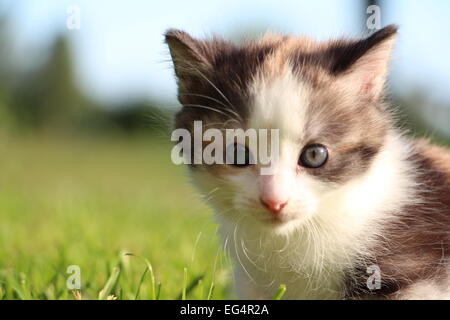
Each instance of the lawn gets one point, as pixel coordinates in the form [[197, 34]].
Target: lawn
[[89, 202]]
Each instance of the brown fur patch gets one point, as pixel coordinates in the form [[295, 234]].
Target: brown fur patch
[[220, 83], [352, 130]]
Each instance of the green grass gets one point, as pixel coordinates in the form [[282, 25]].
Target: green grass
[[117, 208]]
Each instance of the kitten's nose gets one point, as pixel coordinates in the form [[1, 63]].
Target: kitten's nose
[[274, 206]]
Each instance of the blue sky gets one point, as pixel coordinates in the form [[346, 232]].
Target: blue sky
[[119, 50]]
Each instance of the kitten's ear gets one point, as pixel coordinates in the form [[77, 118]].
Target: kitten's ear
[[188, 54], [364, 63]]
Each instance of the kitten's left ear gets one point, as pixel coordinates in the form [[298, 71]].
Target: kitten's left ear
[[364, 63]]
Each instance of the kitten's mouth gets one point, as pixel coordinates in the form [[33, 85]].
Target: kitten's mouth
[[276, 220], [279, 224]]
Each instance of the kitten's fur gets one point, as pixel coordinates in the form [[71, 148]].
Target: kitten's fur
[[381, 199]]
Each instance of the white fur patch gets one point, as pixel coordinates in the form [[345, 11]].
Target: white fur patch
[[279, 103]]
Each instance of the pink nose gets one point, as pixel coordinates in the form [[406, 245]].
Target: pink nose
[[273, 206]]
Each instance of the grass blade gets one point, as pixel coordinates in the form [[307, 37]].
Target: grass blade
[[152, 278], [140, 283], [158, 292], [110, 284], [211, 291], [200, 288], [280, 292], [152, 274], [183, 292], [191, 286]]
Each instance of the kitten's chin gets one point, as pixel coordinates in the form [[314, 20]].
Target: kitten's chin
[[277, 225]]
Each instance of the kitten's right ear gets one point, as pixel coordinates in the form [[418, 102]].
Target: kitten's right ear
[[188, 54], [362, 64]]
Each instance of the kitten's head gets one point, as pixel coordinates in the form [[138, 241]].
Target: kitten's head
[[326, 99]]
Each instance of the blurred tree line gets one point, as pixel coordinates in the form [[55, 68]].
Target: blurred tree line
[[45, 97]]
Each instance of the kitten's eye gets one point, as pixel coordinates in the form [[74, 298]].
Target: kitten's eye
[[313, 156], [238, 155]]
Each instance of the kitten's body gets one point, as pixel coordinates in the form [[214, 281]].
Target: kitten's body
[[381, 199]]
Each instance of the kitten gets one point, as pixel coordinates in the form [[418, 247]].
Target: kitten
[[354, 208]]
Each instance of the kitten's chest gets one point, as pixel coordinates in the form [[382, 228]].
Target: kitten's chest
[[303, 285], [260, 270]]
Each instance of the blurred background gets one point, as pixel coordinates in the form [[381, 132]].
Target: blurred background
[[86, 96]]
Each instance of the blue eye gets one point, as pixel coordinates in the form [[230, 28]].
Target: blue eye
[[313, 156], [238, 155]]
